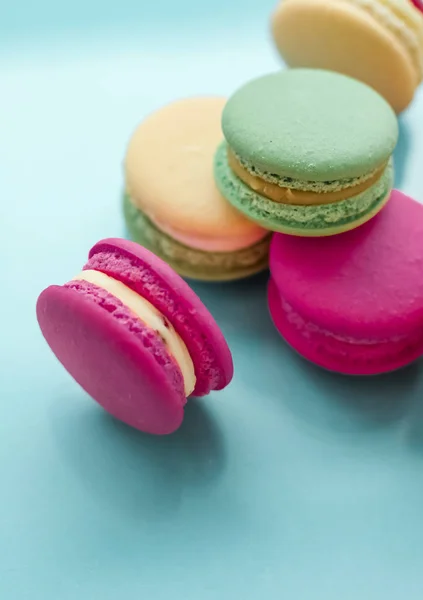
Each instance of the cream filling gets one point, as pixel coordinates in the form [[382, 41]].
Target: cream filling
[[151, 317], [297, 197]]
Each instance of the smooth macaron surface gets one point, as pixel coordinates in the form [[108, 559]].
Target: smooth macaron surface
[[119, 363], [354, 303], [124, 363], [379, 42], [309, 125], [169, 181]]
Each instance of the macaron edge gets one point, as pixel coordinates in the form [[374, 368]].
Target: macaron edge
[[249, 202], [340, 356], [198, 264], [147, 274]]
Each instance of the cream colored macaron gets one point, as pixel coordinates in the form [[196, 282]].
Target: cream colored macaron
[[172, 204], [379, 42]]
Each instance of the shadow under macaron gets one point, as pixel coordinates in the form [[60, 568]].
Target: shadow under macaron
[[325, 403], [371, 402], [141, 475]]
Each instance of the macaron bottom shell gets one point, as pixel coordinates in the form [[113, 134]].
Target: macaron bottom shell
[[191, 262], [331, 352], [306, 221]]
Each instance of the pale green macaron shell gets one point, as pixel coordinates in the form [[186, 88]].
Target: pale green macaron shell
[[310, 130], [191, 262], [307, 221]]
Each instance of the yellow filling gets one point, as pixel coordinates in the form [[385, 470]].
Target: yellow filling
[[149, 315], [285, 195]]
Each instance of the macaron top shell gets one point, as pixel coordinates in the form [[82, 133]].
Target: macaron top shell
[[153, 279], [310, 125], [365, 284], [169, 173]]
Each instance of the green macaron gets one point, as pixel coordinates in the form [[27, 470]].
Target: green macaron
[[307, 152]]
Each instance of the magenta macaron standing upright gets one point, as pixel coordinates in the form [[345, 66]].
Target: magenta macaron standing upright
[[135, 336], [353, 303]]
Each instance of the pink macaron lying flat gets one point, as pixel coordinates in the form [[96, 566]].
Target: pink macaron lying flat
[[353, 303], [135, 336]]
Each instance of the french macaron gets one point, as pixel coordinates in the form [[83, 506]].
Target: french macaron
[[171, 203], [135, 336], [307, 152], [353, 303], [379, 42]]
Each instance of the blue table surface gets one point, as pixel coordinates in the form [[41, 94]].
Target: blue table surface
[[292, 483]]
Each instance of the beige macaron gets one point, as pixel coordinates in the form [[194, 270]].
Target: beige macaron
[[379, 42], [172, 205]]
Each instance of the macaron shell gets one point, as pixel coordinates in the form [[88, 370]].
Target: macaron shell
[[364, 284], [340, 356], [338, 36], [191, 262], [330, 231], [157, 282], [302, 221], [169, 172], [309, 125], [110, 365]]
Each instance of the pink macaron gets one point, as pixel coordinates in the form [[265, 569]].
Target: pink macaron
[[353, 303], [135, 336], [418, 4]]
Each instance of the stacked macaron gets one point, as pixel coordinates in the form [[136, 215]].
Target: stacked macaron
[[308, 154]]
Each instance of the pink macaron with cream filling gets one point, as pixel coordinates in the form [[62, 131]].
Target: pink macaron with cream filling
[[135, 336], [353, 303]]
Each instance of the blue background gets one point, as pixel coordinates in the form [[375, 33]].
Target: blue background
[[292, 483]]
